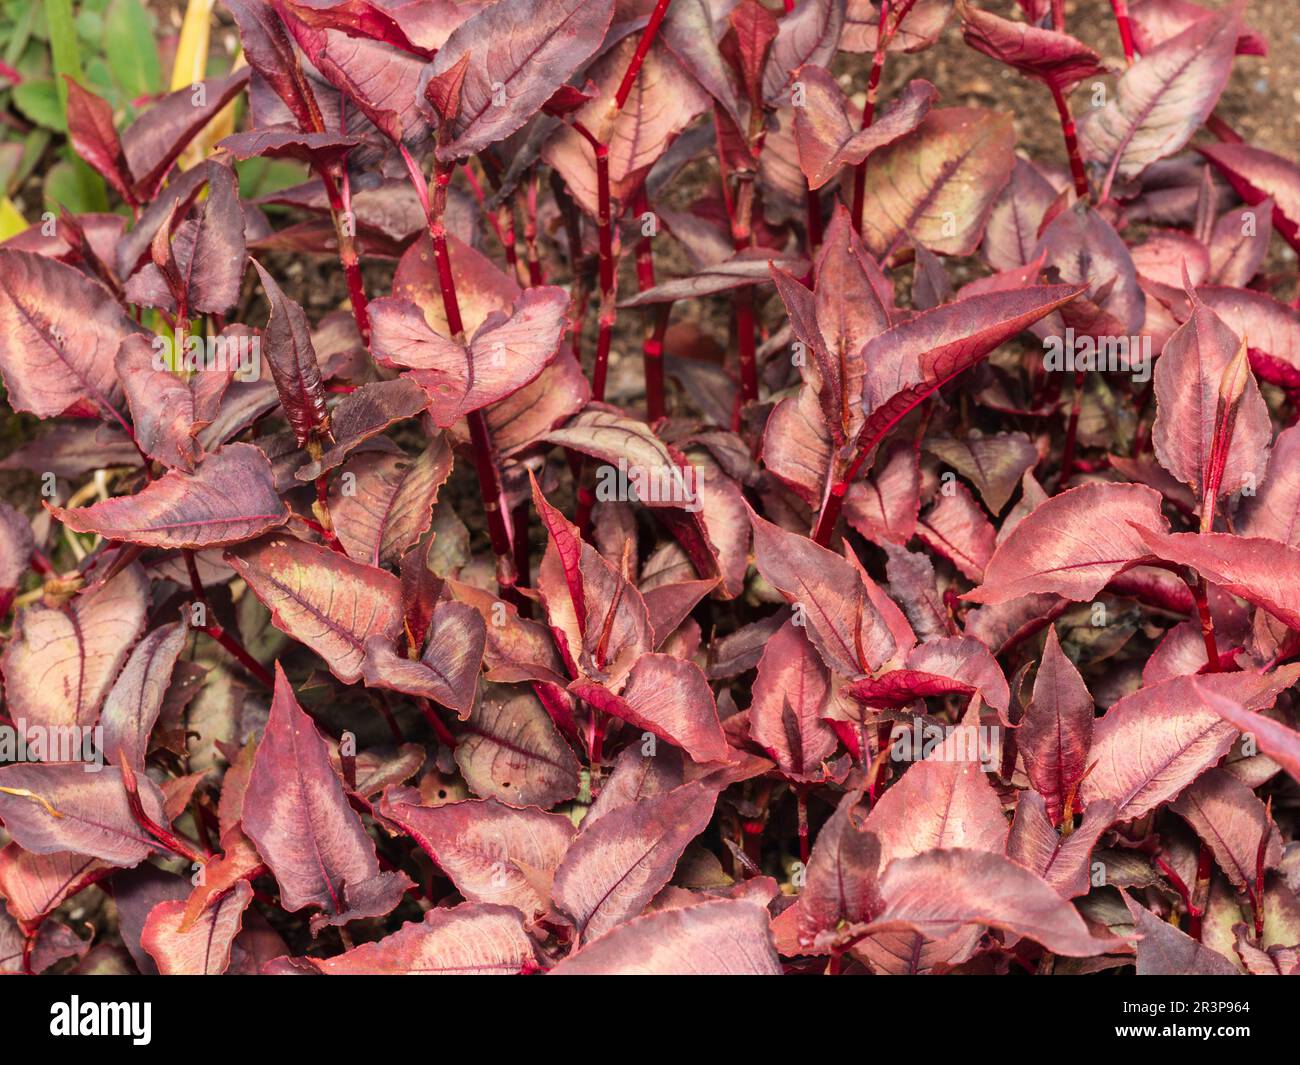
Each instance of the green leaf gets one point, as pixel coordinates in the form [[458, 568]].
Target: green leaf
[[132, 53], [39, 102], [66, 183], [262, 176], [63, 47]]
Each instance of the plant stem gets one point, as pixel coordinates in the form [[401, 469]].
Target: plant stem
[[494, 505], [608, 279], [1072, 431], [1120, 7], [604, 219], [436, 723], [813, 211], [1204, 869], [348, 257], [801, 804], [1200, 591], [213, 629], [1077, 170], [655, 407], [744, 305], [652, 349], [171, 841], [529, 204], [638, 57], [883, 35], [322, 512]]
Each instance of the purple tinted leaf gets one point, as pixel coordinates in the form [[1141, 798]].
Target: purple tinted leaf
[[323, 599], [722, 937], [523, 49], [60, 662], [296, 812], [58, 806], [229, 499]]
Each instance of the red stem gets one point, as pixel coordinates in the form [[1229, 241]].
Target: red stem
[[323, 514], [1071, 432], [529, 197], [652, 349], [638, 57], [813, 207], [1077, 170], [883, 36], [608, 295], [744, 305], [655, 407], [348, 256], [435, 722], [213, 629], [485, 466], [1200, 591], [1120, 7], [604, 221], [805, 848], [1204, 867], [172, 842]]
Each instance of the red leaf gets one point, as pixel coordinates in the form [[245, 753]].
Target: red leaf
[[504, 354], [323, 599], [618, 864], [448, 668], [1153, 743], [790, 695], [843, 624], [204, 948], [1263, 572], [938, 893], [16, 545], [1280, 743], [1063, 861], [841, 884], [1257, 175], [59, 332], [60, 663], [828, 136], [937, 184], [1165, 951], [1189, 379], [1045, 554], [1051, 57], [471, 939], [296, 812], [1234, 824], [229, 499], [1056, 732], [511, 751], [391, 505], [530, 48], [915, 359], [132, 707], [492, 852], [669, 697], [1163, 98], [94, 137], [722, 937], [57, 806], [292, 359], [155, 140]]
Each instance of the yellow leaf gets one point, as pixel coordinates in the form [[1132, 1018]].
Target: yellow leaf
[[190, 67], [11, 220], [192, 49]]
